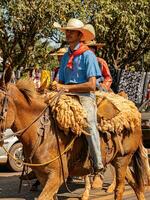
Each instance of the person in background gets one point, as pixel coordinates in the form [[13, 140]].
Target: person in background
[[18, 73], [59, 55], [107, 79], [8, 65], [45, 77], [13, 77], [103, 83], [36, 77], [29, 74]]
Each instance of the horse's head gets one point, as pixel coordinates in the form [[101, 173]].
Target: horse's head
[[7, 107]]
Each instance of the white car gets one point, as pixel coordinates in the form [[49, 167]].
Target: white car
[[14, 147]]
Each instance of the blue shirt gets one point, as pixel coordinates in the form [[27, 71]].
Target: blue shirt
[[84, 67]]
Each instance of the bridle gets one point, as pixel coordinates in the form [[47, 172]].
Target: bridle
[[4, 111], [20, 132], [3, 114]]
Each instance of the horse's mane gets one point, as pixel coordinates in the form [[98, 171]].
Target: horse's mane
[[27, 88]]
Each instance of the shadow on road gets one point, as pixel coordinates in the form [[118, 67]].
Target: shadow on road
[[9, 186]]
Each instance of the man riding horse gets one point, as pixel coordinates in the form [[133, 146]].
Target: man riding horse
[[78, 72]]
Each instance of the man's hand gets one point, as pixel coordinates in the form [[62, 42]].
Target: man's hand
[[57, 86], [101, 88]]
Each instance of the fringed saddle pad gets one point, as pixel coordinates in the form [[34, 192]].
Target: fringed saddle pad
[[68, 112], [116, 113]]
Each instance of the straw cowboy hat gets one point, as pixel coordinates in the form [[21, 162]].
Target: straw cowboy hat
[[76, 24], [90, 28], [92, 42], [60, 52]]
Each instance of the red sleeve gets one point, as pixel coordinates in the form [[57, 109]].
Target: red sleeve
[[106, 74]]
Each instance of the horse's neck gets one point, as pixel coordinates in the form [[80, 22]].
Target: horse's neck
[[26, 112]]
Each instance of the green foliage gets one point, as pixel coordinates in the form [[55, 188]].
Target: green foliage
[[147, 61], [22, 25], [123, 25]]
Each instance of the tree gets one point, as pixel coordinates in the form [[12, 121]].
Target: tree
[[22, 25], [123, 25]]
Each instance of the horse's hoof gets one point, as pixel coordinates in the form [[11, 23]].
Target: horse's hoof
[[85, 198], [97, 182], [85, 195], [110, 189]]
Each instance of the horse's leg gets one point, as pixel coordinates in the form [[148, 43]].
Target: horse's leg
[[53, 181], [97, 182], [86, 192], [111, 188], [144, 154], [120, 164], [138, 191], [51, 187]]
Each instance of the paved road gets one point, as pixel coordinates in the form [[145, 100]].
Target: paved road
[[9, 184]]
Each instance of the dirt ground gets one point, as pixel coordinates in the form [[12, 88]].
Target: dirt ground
[[9, 185]]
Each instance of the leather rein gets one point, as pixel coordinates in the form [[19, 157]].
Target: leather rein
[[4, 111], [22, 131]]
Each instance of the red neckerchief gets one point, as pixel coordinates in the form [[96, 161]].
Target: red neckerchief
[[77, 52]]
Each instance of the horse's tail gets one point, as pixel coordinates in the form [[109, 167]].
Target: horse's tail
[[140, 167], [145, 159]]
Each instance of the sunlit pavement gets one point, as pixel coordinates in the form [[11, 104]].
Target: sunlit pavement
[[9, 185]]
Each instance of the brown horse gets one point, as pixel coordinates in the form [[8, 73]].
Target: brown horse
[[25, 112]]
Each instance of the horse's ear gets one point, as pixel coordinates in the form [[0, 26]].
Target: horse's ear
[[6, 77]]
